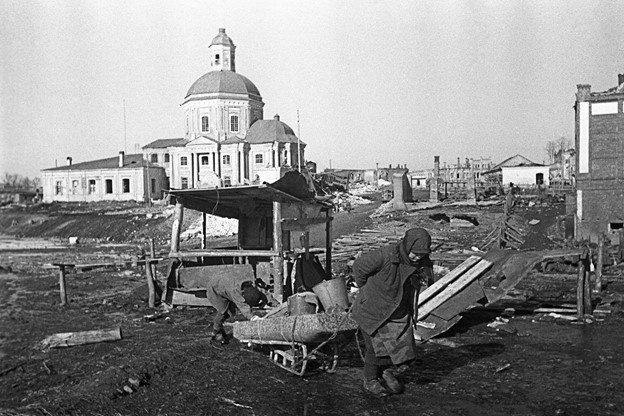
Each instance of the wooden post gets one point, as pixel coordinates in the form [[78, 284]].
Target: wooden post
[[151, 300], [62, 285], [203, 241], [328, 244], [583, 295], [153, 254], [600, 262], [278, 260], [176, 228]]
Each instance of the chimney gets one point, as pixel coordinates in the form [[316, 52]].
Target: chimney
[[276, 117], [221, 30], [69, 160], [583, 92], [458, 163], [620, 79], [121, 159]]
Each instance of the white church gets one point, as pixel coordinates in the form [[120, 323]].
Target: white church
[[227, 142]]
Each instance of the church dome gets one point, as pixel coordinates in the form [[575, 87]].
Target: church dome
[[223, 82], [222, 39], [268, 131]]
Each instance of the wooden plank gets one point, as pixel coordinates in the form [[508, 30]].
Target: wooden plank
[[438, 326], [447, 279], [461, 301], [453, 288], [222, 253], [68, 339], [195, 298], [302, 224], [191, 278]]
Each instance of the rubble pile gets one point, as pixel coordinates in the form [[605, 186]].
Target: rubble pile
[[215, 227]]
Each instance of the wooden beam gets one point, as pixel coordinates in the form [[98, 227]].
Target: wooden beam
[[328, 244], [301, 224], [176, 228], [222, 253], [278, 261], [600, 263], [68, 339], [454, 288], [62, 285], [447, 279], [580, 289], [149, 276]]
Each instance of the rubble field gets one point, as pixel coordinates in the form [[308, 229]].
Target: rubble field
[[507, 359]]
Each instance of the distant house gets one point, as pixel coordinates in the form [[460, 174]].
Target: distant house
[[599, 140], [520, 171], [123, 178]]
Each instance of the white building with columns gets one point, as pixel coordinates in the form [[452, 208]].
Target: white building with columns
[[226, 142]]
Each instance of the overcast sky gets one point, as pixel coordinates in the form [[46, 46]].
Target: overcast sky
[[388, 82]]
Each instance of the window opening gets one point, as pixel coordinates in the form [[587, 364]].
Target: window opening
[[125, 185]]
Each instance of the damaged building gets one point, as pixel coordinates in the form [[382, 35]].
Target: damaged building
[[599, 142]]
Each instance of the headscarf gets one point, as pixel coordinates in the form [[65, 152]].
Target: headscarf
[[416, 240]]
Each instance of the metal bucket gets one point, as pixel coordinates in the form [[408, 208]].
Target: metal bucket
[[332, 294], [298, 305]]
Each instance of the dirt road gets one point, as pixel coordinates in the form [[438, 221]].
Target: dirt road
[[538, 365]]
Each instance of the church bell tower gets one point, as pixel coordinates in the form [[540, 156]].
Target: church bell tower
[[222, 53]]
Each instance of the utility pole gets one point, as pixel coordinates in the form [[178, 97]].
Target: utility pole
[[298, 142], [124, 116]]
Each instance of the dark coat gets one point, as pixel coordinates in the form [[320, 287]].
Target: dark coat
[[223, 291], [381, 276]]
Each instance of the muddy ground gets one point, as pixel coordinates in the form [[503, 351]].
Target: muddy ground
[[535, 365]]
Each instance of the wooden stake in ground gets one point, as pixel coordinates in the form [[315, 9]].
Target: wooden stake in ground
[[68, 339], [600, 261], [583, 294], [151, 300]]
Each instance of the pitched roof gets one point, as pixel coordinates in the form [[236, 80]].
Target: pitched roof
[[517, 160], [269, 131], [130, 162], [233, 140], [164, 143]]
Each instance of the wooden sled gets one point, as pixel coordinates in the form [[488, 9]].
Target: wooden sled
[[295, 341]]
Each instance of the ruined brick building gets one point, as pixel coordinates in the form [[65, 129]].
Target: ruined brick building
[[599, 139]]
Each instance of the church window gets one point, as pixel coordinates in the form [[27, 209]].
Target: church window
[[91, 186], [75, 184], [205, 161], [217, 59], [125, 186], [205, 124], [226, 159], [183, 161], [154, 158], [184, 182], [59, 188], [153, 189], [259, 159], [109, 186], [166, 157], [234, 123]]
